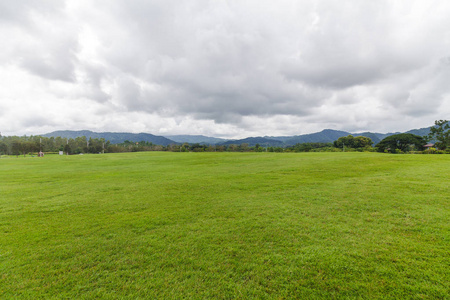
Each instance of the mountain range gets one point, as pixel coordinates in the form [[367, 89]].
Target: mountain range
[[113, 137], [324, 136]]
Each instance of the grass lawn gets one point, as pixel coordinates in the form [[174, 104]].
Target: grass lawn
[[225, 225]]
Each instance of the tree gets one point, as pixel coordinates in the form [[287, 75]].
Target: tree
[[184, 147], [353, 142], [16, 147], [258, 148], [67, 149], [30, 146], [233, 148], [197, 147], [3, 148], [362, 141], [441, 133], [220, 148], [306, 147], [244, 147], [402, 141]]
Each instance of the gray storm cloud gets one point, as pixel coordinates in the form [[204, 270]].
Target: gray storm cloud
[[383, 65]]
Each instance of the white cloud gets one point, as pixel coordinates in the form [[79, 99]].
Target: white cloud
[[223, 68]]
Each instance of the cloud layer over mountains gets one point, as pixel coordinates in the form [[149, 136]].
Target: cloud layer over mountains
[[223, 68]]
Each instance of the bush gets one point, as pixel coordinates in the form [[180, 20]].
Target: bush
[[370, 149], [434, 151]]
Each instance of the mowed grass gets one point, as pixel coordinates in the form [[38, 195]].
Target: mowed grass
[[225, 225]]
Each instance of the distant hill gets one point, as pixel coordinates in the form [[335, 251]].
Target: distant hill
[[195, 139], [420, 132], [252, 141], [377, 137], [324, 136], [113, 137]]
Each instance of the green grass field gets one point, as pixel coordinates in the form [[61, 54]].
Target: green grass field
[[225, 225]]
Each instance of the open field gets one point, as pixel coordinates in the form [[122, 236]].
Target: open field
[[225, 225]]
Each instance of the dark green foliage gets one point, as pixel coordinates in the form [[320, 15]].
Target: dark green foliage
[[258, 148], [15, 147], [375, 137], [353, 142], [441, 133], [3, 148], [67, 149], [307, 147], [403, 142], [130, 146]]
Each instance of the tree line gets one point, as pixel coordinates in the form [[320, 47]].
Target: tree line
[[398, 143], [23, 145]]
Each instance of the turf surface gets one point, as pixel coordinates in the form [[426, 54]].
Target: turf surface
[[225, 225]]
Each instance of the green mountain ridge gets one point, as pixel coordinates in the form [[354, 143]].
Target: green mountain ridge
[[252, 141], [324, 136], [113, 137], [196, 139]]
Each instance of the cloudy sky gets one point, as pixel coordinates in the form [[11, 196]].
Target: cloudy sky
[[223, 68]]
